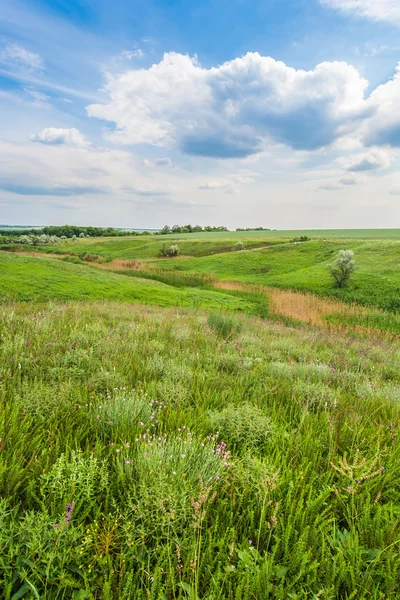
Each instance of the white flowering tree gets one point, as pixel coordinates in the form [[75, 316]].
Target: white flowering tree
[[343, 267]]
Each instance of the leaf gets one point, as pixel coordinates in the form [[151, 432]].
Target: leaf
[[21, 592], [79, 595], [280, 571], [34, 590], [189, 589]]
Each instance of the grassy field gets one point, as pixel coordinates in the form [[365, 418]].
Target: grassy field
[[196, 428], [41, 279], [303, 266], [299, 266], [158, 453], [149, 247]]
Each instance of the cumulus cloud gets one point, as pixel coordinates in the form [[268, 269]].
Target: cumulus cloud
[[377, 10], [14, 54], [383, 126], [234, 110], [54, 136], [370, 161]]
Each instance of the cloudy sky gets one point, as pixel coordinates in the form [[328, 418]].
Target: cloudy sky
[[280, 113]]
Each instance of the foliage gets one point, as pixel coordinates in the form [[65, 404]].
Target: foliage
[[223, 325], [245, 426], [302, 238], [114, 483], [166, 230], [238, 247], [343, 267], [170, 251]]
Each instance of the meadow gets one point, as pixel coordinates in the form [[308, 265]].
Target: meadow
[[201, 428]]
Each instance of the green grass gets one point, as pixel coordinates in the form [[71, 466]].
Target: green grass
[[148, 247], [114, 483], [41, 279], [303, 266]]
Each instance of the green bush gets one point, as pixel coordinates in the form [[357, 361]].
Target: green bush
[[244, 425], [170, 251], [238, 246]]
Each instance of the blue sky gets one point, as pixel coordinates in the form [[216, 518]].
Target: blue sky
[[239, 112]]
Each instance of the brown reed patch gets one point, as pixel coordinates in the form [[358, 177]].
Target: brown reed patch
[[309, 308]]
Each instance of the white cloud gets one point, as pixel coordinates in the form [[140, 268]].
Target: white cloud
[[14, 54], [234, 110], [214, 185], [377, 10], [383, 125], [349, 181], [54, 136], [67, 170], [129, 54], [227, 186], [159, 162], [369, 161]]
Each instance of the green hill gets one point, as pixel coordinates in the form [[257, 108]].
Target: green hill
[[25, 278]]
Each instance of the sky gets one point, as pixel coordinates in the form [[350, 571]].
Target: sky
[[244, 113]]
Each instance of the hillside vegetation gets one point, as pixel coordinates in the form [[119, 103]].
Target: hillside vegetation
[[156, 453], [41, 279], [196, 428], [303, 266], [148, 247]]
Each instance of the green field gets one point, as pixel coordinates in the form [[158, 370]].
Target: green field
[[42, 279], [303, 266], [163, 438], [149, 247]]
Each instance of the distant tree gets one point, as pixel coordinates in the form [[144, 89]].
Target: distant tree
[[170, 251], [165, 230], [82, 235], [343, 267], [24, 239]]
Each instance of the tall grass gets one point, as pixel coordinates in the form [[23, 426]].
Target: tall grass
[[144, 455]]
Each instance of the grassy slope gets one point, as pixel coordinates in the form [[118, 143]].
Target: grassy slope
[[41, 279], [289, 403], [304, 267], [149, 247]]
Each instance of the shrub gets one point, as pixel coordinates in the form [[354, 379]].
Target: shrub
[[238, 246], [245, 426], [223, 325], [170, 251], [24, 239], [343, 267]]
